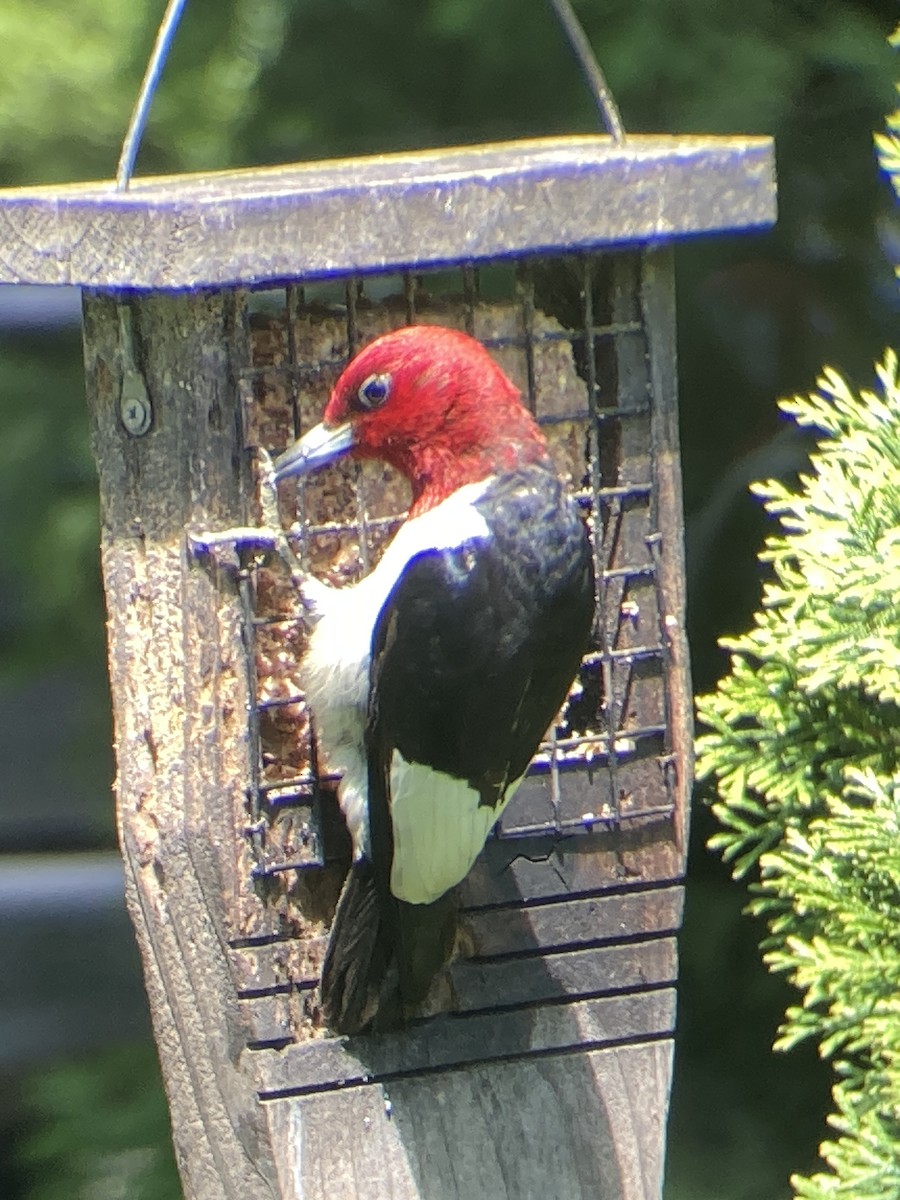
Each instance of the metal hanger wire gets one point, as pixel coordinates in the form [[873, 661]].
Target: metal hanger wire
[[149, 84], [565, 13], [587, 60]]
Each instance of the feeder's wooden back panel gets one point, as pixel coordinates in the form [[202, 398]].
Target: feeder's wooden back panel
[[547, 1069]]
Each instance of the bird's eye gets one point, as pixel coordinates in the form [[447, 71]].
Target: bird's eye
[[374, 391]]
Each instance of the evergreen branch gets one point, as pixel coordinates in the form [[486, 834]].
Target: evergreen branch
[[803, 742]]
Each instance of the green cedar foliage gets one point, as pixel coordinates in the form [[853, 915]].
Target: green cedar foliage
[[804, 742], [803, 739]]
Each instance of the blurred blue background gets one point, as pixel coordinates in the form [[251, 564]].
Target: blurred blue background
[[263, 81]]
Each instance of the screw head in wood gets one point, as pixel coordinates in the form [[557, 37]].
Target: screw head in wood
[[135, 411]]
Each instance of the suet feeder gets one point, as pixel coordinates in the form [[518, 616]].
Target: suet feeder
[[217, 311]]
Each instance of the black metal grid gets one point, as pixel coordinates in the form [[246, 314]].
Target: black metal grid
[[609, 764]]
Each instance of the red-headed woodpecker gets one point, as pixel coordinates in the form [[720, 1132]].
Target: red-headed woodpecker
[[434, 679]]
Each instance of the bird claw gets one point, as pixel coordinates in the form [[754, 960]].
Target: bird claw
[[314, 597], [248, 541]]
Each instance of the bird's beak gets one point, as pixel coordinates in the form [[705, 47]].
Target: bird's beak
[[320, 445]]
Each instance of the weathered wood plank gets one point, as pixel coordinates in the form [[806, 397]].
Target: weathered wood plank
[[384, 212], [179, 704], [514, 955], [522, 982], [554, 926], [530, 1130], [574, 973], [571, 923], [526, 870], [658, 304], [444, 1043]]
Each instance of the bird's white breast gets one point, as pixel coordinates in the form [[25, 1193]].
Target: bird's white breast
[[335, 669]]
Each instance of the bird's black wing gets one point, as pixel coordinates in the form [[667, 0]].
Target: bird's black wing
[[472, 657], [476, 645]]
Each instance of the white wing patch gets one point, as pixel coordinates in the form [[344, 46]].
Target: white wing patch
[[335, 669], [440, 826]]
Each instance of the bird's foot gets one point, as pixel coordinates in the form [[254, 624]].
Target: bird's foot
[[246, 542]]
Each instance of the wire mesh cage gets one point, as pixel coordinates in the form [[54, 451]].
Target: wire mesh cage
[[589, 386], [218, 312], [574, 332]]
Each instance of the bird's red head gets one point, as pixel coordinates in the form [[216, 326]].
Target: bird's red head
[[431, 402]]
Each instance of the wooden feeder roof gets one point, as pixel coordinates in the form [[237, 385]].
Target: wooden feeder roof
[[386, 212]]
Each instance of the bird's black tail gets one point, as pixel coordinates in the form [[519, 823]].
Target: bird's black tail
[[359, 953], [382, 955]]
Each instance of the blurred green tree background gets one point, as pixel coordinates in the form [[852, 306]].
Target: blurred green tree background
[[265, 81]]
